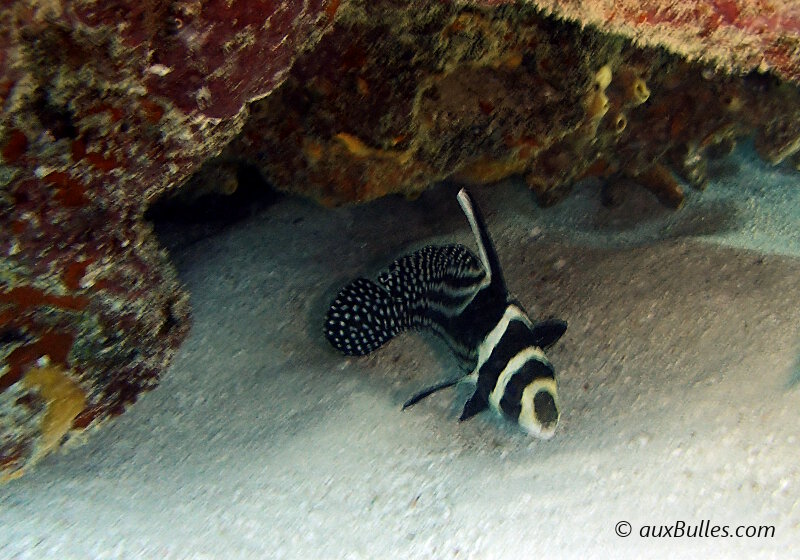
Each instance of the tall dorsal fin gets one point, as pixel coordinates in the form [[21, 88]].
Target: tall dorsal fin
[[494, 275]]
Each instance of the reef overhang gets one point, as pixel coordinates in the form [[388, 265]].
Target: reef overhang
[[109, 106]]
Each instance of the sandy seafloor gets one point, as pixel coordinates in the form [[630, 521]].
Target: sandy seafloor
[[679, 382]]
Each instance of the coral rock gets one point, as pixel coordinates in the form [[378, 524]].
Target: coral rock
[[739, 35], [392, 102], [105, 106]]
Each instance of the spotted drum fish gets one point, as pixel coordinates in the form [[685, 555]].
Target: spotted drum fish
[[464, 299]]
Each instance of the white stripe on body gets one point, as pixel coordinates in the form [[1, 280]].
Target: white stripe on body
[[513, 366], [487, 345]]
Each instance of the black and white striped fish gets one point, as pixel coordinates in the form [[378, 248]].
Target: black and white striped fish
[[464, 299]]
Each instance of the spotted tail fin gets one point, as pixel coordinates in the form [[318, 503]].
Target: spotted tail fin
[[434, 285], [443, 277], [425, 289], [363, 317]]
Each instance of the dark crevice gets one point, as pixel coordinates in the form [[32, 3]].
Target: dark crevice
[[219, 195], [58, 120]]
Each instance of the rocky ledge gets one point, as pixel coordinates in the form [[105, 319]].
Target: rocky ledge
[[110, 106]]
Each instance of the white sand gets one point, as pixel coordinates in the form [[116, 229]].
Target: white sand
[[679, 383]]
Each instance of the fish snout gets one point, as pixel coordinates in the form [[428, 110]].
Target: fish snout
[[540, 411]]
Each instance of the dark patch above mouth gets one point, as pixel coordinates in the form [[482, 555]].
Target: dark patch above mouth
[[545, 409]]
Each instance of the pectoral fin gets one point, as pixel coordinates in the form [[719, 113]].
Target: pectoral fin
[[475, 404]]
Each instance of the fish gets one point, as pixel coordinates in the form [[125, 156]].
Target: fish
[[464, 299]]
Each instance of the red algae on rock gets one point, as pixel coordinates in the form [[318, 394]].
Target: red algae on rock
[[105, 106], [392, 102], [738, 35]]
